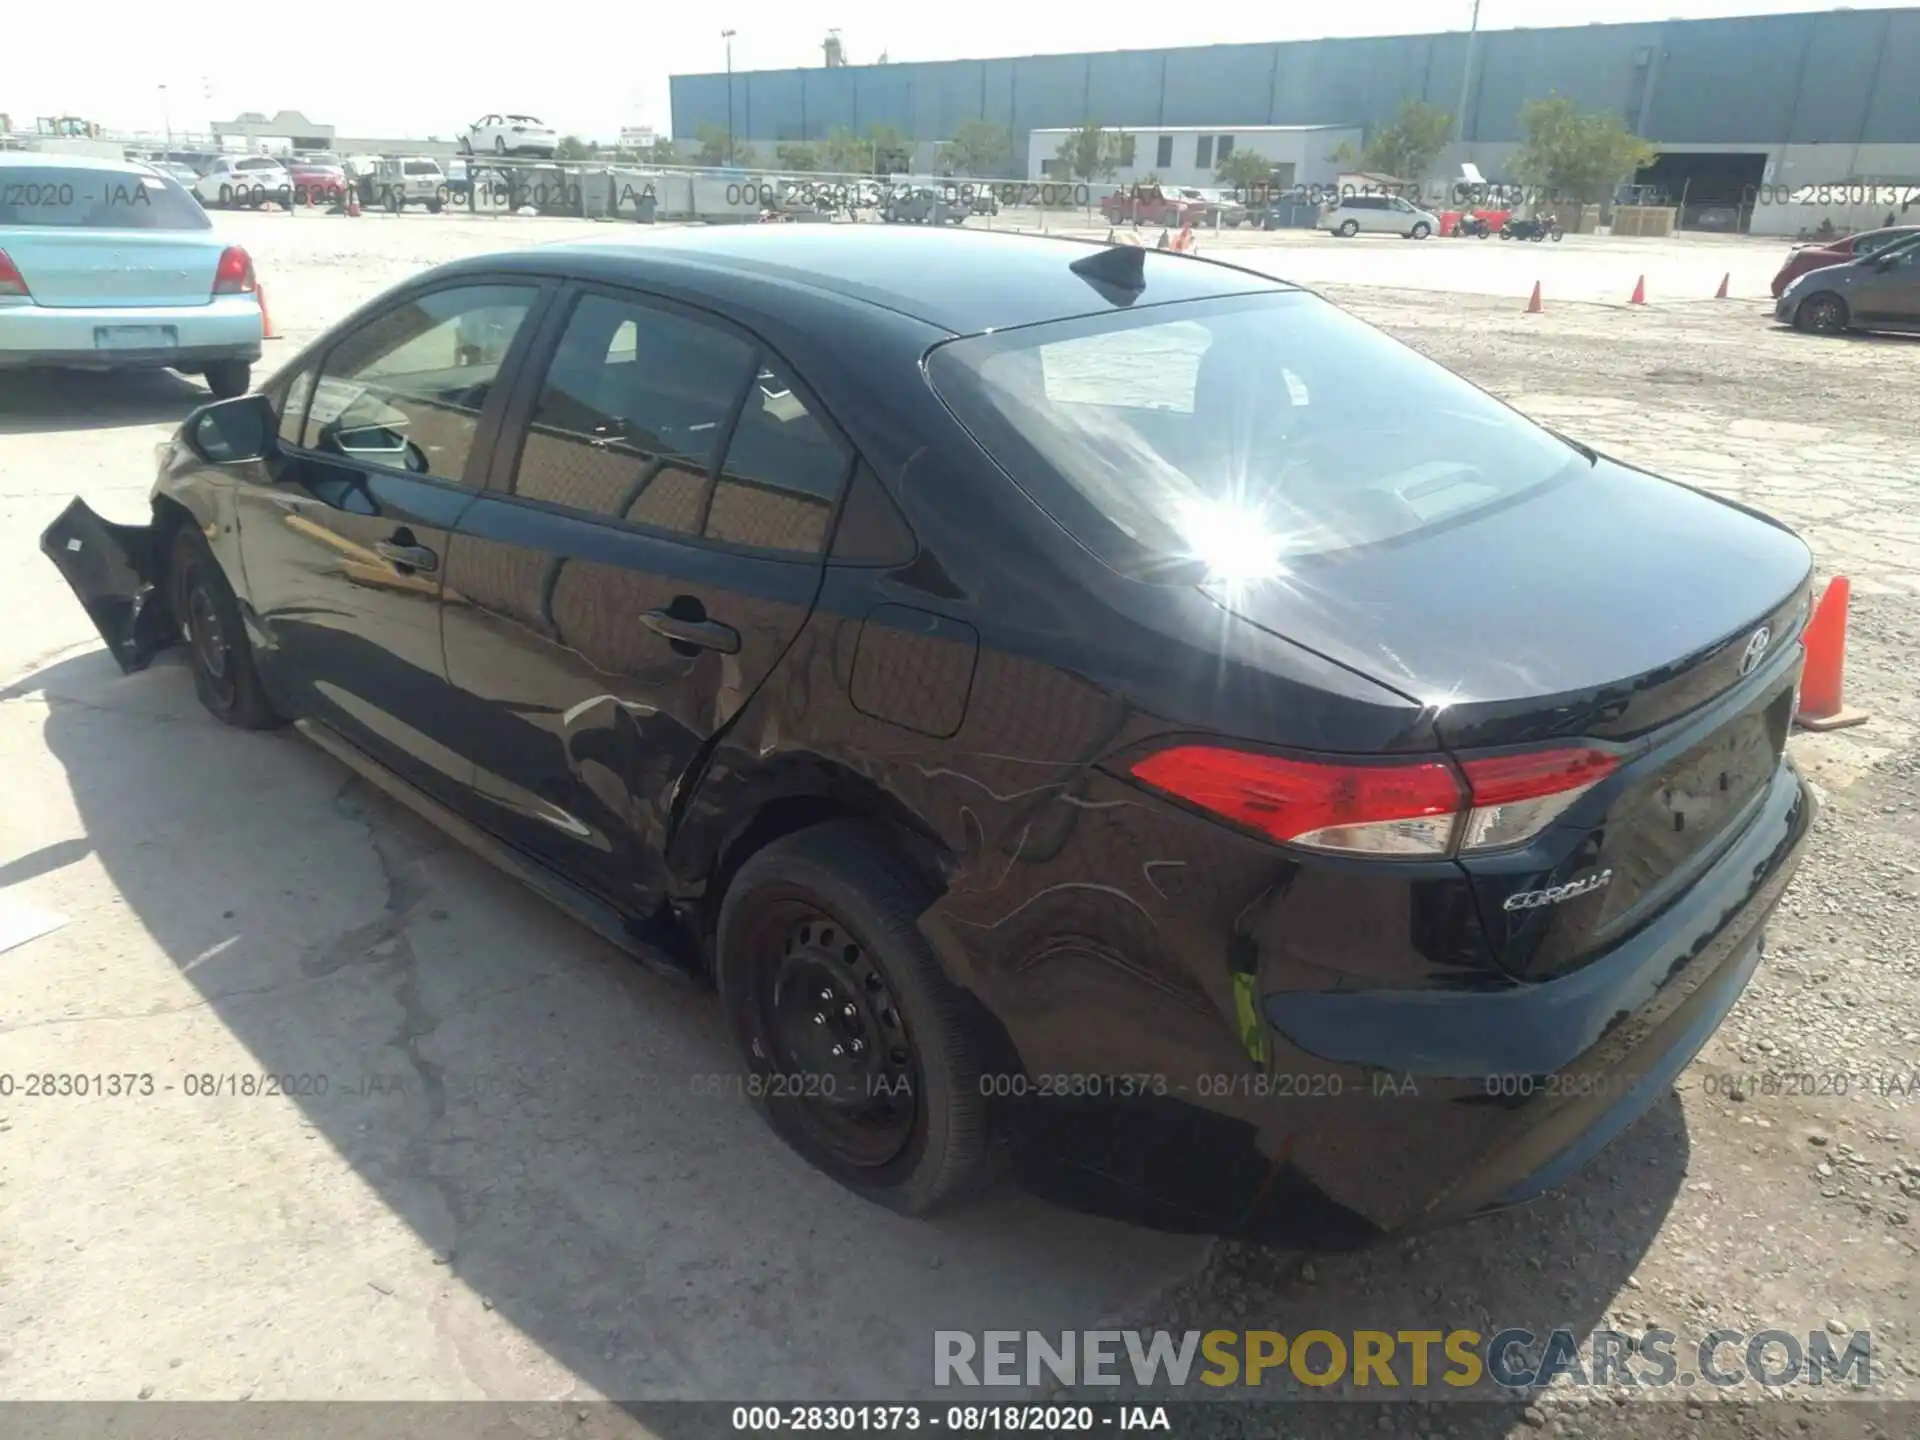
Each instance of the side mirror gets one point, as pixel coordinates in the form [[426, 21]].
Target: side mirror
[[1885, 262], [231, 432]]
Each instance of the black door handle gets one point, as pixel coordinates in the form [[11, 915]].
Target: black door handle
[[701, 634], [407, 557]]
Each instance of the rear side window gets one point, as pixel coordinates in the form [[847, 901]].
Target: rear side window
[[782, 476], [1220, 432], [88, 199], [631, 415]]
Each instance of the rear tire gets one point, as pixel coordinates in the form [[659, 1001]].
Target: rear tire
[[204, 607], [229, 378], [826, 918]]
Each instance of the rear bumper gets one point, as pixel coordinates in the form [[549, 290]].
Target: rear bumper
[[1523, 1086], [1419, 1099], [228, 328]]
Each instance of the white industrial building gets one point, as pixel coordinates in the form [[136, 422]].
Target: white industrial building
[[1193, 154]]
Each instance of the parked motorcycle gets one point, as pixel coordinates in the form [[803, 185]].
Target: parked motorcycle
[[1474, 225], [1534, 230]]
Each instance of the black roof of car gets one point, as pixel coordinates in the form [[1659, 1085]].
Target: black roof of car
[[959, 280]]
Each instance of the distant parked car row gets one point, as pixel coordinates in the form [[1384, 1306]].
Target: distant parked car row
[[1869, 281]]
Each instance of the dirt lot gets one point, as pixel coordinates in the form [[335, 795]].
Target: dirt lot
[[512, 1190]]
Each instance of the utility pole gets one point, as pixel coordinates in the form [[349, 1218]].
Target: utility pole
[[1466, 77], [166, 116], [727, 35]]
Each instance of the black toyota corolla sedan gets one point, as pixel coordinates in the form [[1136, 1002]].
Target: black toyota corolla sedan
[[1101, 714]]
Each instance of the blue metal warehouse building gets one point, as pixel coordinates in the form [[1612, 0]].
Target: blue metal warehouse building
[[1782, 100]]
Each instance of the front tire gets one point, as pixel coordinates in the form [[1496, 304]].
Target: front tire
[[1421, 231], [854, 1039], [204, 606], [1348, 229], [1824, 314]]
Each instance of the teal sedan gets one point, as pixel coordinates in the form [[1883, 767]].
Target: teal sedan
[[113, 265]]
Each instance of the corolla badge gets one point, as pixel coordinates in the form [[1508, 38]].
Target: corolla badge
[[1756, 649], [1534, 899]]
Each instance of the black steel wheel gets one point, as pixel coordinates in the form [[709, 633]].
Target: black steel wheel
[[1825, 313], [856, 1049], [218, 650]]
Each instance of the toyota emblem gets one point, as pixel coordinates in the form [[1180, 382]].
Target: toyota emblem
[[1756, 649]]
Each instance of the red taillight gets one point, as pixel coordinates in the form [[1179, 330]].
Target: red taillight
[[12, 282], [1515, 797], [234, 274], [1415, 808], [1392, 809]]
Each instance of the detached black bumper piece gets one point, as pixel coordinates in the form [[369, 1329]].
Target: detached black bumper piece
[[112, 568]]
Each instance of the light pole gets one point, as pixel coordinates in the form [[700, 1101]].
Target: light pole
[[166, 117], [727, 35], [1466, 77]]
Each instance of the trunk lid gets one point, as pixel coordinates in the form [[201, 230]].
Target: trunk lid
[[1615, 610], [75, 268]]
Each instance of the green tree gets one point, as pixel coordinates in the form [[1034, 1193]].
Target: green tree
[[845, 153], [1245, 170], [712, 140], [979, 147], [1405, 147], [572, 147], [892, 150], [1093, 152], [1577, 155], [799, 157]]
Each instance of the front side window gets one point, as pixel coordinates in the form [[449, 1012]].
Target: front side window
[[1227, 432], [406, 389]]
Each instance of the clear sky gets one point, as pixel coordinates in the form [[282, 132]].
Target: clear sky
[[377, 68]]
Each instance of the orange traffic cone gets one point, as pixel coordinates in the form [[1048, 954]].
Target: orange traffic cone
[[1534, 306], [267, 332], [1721, 293], [1825, 641], [1639, 292]]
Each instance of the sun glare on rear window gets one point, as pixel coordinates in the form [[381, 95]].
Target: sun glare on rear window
[[1239, 433]]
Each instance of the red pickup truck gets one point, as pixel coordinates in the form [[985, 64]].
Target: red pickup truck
[[1150, 205]]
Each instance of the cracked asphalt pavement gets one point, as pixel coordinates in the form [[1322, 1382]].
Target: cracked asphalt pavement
[[503, 1161]]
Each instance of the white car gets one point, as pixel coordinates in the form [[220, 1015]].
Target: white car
[[1378, 215], [509, 135], [245, 180]]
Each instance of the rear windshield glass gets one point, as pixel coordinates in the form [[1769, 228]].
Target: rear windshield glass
[[264, 162], [1236, 433], [422, 167], [96, 199]]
